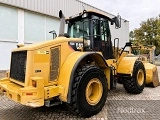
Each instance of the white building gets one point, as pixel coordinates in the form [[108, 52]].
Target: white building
[[29, 21]]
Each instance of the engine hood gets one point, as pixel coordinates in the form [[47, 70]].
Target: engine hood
[[55, 41]]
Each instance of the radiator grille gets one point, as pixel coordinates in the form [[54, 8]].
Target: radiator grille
[[55, 61], [18, 65]]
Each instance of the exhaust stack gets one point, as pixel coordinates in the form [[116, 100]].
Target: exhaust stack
[[62, 23]]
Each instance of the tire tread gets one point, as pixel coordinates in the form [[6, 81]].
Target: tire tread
[[130, 84]]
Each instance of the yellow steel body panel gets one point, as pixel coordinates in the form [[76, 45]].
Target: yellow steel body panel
[[29, 96], [41, 58], [65, 72], [52, 91], [111, 62], [126, 65]]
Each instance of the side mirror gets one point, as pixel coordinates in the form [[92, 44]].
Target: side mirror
[[117, 21], [54, 33]]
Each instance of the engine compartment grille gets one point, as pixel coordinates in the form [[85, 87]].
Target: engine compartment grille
[[18, 65], [55, 61]]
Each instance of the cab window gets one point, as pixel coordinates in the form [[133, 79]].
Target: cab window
[[79, 29]]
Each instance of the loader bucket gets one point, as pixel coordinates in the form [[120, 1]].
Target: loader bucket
[[152, 78]]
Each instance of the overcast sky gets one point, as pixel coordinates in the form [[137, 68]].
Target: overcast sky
[[134, 11]]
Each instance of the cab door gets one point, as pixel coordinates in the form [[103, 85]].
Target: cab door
[[101, 37]]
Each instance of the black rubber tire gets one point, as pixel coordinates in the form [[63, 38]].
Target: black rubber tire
[[120, 80], [131, 84], [79, 104]]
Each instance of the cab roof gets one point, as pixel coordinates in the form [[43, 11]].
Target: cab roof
[[79, 16]]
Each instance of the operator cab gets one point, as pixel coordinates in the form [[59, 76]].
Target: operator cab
[[92, 27]]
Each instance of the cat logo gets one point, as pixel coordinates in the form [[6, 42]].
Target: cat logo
[[79, 45]]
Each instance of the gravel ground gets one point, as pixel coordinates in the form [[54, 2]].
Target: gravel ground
[[119, 106]]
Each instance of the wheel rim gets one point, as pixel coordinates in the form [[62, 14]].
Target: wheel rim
[[94, 91], [140, 77]]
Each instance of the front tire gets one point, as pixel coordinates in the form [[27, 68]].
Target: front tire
[[89, 91], [136, 83]]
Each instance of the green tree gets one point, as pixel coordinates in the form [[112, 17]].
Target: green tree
[[149, 33], [131, 35]]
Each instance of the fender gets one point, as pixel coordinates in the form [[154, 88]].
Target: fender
[[125, 66], [69, 67]]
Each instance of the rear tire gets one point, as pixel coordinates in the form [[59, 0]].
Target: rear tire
[[136, 83], [89, 91]]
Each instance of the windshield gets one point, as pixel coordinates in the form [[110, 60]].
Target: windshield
[[79, 29]]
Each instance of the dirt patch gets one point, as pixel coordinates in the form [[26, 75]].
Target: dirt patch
[[2, 73]]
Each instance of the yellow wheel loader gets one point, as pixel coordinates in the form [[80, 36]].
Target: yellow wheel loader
[[77, 68], [149, 50], [152, 79]]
